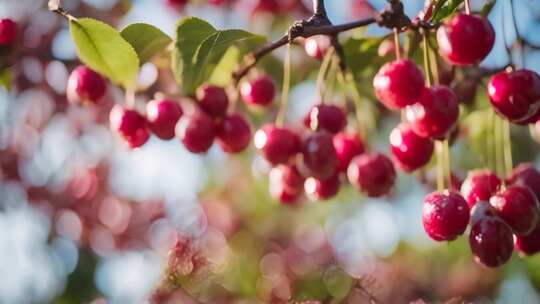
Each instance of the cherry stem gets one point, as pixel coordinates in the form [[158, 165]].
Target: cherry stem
[[397, 44], [507, 140], [331, 78], [499, 155], [54, 6], [322, 72], [280, 119], [427, 63], [440, 164], [467, 7], [447, 166], [130, 98], [358, 104]]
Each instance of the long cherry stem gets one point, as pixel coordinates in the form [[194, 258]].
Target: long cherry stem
[[397, 44], [280, 119]]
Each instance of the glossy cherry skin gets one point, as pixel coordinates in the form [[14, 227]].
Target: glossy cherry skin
[[529, 244], [445, 215], [326, 117], [259, 91], [373, 174], [528, 176], [515, 95], [196, 131], [347, 145], [465, 39], [319, 158], [435, 113], [518, 207], [317, 46], [479, 185], [8, 31], [409, 150], [398, 84], [85, 86], [319, 190], [277, 145], [490, 238], [234, 133], [535, 118], [213, 100], [286, 183], [162, 116], [130, 125]]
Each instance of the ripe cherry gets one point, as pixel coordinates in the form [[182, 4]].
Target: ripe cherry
[[162, 116], [435, 113], [479, 185], [373, 174], [85, 86], [518, 207], [276, 144], [318, 190], [347, 145], [130, 125], [445, 215], [177, 4], [317, 46], [319, 158], [326, 117], [465, 39], [490, 239], [213, 100], [526, 175], [529, 244], [8, 31], [535, 118], [398, 84], [196, 131], [515, 95], [234, 134], [410, 151], [286, 183], [259, 91]]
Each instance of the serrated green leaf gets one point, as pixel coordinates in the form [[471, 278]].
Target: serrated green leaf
[[103, 49], [6, 78], [445, 9], [146, 39]]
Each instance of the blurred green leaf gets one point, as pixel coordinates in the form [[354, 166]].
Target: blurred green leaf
[[6, 78], [444, 9], [146, 39], [362, 55]]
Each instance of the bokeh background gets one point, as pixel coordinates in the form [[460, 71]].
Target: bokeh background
[[83, 219]]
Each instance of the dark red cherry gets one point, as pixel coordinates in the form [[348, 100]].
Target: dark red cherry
[[130, 125], [518, 207], [435, 113], [526, 175], [259, 91], [531, 120], [445, 215], [326, 117], [177, 4], [347, 145], [490, 239], [8, 31], [286, 184], [410, 151], [319, 157], [479, 185], [213, 100], [317, 46], [398, 84], [319, 190], [276, 144], [373, 174], [529, 244], [162, 116], [196, 131], [85, 86], [515, 95], [465, 39], [234, 134]]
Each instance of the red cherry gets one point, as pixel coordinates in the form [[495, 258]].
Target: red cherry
[[319, 158], [526, 175], [213, 100], [410, 150], [8, 31], [317, 46], [529, 244], [445, 215], [259, 91], [85, 86], [373, 174], [518, 207], [277, 145], [326, 117], [130, 125], [318, 190], [479, 185], [398, 84], [490, 239], [286, 183], [177, 4], [267, 6], [162, 116], [234, 134], [347, 145], [532, 120], [435, 113], [196, 131], [465, 39]]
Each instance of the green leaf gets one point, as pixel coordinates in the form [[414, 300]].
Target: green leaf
[[445, 8], [146, 39], [486, 9], [6, 78], [362, 55], [103, 49]]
